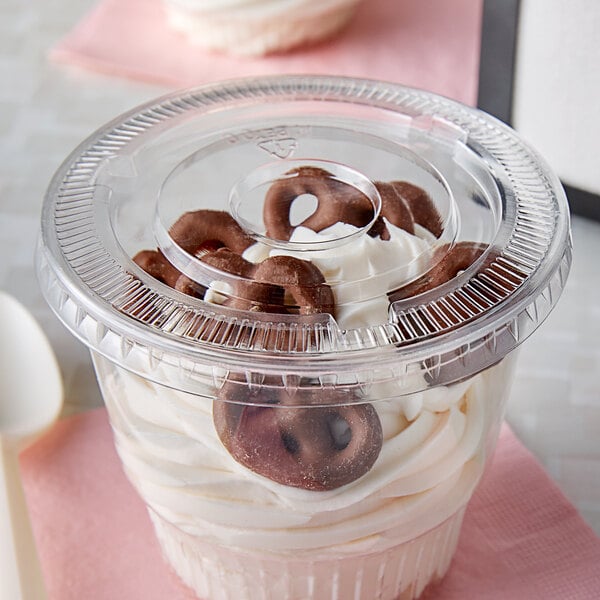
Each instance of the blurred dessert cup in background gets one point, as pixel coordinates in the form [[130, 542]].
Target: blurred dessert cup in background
[[258, 27]]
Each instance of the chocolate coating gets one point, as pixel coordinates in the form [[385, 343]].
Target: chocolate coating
[[265, 285], [448, 262], [247, 293], [224, 259], [188, 286], [394, 209], [301, 279], [155, 264], [336, 201], [200, 233], [402, 204], [311, 447], [216, 239], [290, 441], [420, 205], [193, 229]]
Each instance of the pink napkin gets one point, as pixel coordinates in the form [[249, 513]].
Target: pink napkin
[[521, 538], [433, 45]]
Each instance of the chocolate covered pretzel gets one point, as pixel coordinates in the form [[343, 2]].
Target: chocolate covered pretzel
[[265, 286], [448, 262], [311, 447], [195, 229], [198, 233], [402, 204], [317, 438], [155, 263], [294, 442], [314, 447], [215, 238]]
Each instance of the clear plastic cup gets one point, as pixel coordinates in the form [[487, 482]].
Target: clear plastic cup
[[296, 437]]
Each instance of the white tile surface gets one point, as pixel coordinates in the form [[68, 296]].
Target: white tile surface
[[46, 110], [555, 404]]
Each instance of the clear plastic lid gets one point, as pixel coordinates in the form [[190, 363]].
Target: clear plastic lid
[[175, 240]]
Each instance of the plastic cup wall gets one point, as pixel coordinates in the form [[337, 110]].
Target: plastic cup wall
[[167, 443]]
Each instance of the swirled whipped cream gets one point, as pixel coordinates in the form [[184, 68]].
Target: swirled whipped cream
[[432, 456], [430, 461], [362, 272], [427, 470], [255, 27]]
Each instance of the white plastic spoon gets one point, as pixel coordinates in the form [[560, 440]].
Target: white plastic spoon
[[31, 397]]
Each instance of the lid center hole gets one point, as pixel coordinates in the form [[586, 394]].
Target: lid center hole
[[302, 207], [271, 201]]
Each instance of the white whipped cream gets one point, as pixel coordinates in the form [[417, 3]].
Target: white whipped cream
[[432, 457], [360, 272], [255, 27], [426, 471], [260, 8]]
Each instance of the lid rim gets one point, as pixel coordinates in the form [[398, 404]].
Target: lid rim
[[311, 365], [515, 304]]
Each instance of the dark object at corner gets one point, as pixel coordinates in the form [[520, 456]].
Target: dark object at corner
[[499, 25], [500, 22]]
